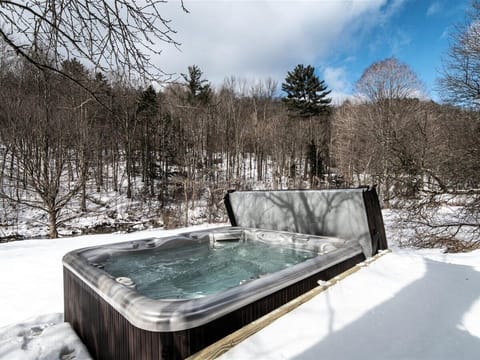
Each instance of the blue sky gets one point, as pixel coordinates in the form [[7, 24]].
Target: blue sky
[[417, 34], [257, 39]]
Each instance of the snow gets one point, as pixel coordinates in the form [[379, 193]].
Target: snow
[[421, 304], [403, 305], [45, 337]]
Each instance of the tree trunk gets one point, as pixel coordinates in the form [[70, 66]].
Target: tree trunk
[[52, 224], [83, 204], [185, 191]]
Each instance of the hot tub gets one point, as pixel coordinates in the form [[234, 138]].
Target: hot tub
[[170, 297]]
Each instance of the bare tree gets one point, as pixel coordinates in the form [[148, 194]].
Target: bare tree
[[116, 35], [352, 150], [41, 138], [455, 167], [389, 79], [459, 81], [388, 87], [452, 184]]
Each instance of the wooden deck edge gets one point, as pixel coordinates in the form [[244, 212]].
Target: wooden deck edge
[[223, 345]]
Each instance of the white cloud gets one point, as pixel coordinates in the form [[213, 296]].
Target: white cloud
[[399, 40], [336, 80], [446, 33], [434, 8], [259, 39], [339, 97]]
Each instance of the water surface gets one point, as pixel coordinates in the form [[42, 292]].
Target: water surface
[[198, 270]]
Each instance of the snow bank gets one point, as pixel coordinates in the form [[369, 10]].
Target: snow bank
[[43, 338]]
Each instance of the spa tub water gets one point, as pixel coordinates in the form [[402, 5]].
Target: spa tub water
[[190, 272]]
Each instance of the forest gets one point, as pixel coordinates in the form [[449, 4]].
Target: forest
[[70, 135]]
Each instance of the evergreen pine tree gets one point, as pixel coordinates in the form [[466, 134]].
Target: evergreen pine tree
[[147, 109], [307, 97], [147, 102], [198, 89], [306, 93]]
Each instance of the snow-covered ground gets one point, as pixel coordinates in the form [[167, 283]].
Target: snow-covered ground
[[409, 304], [31, 295], [405, 305]]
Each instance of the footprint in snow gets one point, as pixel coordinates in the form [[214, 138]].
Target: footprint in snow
[[66, 353], [36, 330]]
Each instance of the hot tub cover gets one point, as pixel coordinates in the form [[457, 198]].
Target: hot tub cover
[[350, 214]]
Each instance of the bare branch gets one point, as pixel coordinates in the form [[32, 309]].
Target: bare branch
[[111, 35]]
